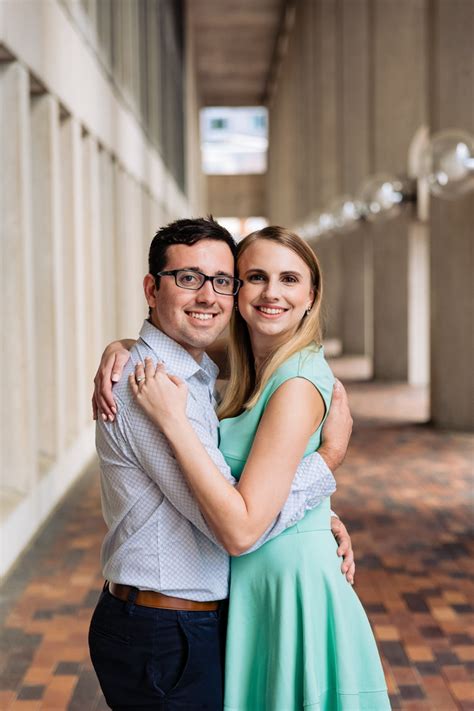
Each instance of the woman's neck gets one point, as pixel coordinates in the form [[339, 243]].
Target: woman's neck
[[264, 346]]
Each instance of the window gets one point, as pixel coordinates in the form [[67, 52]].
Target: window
[[218, 123]]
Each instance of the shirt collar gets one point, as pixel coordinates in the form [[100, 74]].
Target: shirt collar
[[167, 350]]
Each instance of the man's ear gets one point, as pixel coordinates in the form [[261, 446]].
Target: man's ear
[[149, 287]]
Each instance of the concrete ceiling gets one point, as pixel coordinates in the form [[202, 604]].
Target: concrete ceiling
[[237, 45]]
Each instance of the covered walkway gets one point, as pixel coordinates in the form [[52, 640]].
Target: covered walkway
[[404, 492]]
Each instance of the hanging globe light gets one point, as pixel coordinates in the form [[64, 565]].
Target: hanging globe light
[[383, 194], [326, 223], [447, 163], [346, 211]]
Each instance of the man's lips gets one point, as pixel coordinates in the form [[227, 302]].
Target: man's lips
[[203, 316]]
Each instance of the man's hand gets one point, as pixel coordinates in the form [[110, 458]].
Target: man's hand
[[339, 531], [337, 429], [112, 363]]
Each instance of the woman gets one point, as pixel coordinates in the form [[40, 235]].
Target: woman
[[289, 645]]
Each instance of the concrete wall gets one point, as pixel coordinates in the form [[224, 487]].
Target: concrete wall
[[358, 85], [85, 183], [451, 223], [236, 195]]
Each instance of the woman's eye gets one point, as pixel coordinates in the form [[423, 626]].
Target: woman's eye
[[256, 277], [290, 279]]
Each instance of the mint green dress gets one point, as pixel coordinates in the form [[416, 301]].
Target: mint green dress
[[298, 637]]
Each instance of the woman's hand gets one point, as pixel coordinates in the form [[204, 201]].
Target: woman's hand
[[162, 396], [112, 363]]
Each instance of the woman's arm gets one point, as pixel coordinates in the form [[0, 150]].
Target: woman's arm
[[111, 365], [238, 516]]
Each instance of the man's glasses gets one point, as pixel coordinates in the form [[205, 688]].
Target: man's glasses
[[190, 279]]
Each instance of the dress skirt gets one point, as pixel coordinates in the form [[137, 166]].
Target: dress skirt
[[298, 637]]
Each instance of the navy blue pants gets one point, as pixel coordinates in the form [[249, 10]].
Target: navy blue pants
[[164, 660]]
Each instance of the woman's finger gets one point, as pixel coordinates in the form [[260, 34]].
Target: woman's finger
[[133, 384], [160, 369], [348, 561], [149, 368], [139, 373]]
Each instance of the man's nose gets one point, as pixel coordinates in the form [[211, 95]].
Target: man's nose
[[206, 293]]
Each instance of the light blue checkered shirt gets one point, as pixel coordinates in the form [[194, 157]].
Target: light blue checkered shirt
[[157, 538]]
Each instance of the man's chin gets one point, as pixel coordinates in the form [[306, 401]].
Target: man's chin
[[202, 338]]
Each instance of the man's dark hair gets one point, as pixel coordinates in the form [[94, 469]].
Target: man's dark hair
[[188, 231]]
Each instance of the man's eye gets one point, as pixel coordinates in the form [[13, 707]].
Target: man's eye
[[223, 281], [188, 278]]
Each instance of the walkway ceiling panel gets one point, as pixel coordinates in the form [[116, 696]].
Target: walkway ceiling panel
[[235, 44]]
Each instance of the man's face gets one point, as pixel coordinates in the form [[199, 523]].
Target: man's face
[[183, 314]]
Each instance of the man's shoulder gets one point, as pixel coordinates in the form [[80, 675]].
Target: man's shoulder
[[122, 390]]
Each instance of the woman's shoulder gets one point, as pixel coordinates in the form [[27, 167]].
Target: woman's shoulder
[[309, 362]]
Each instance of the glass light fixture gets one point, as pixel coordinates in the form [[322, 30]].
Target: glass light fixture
[[346, 211], [447, 163], [383, 194], [326, 223]]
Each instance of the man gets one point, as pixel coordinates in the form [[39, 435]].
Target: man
[[157, 634]]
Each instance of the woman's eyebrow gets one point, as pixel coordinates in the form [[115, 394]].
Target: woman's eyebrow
[[291, 273], [285, 273]]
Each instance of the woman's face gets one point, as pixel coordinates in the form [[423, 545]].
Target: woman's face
[[276, 293]]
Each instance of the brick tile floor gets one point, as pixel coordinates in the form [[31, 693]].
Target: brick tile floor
[[405, 493]]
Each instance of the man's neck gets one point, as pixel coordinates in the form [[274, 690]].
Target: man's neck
[[195, 353]]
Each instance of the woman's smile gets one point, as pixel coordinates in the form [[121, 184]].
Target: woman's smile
[[271, 312]]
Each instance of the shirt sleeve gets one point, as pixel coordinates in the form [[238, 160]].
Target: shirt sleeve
[[155, 458], [313, 483]]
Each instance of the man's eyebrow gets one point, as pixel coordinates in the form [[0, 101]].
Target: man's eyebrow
[[198, 269]]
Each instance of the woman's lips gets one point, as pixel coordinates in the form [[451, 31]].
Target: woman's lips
[[270, 311]]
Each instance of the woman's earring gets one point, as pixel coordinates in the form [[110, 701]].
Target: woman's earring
[[308, 310]]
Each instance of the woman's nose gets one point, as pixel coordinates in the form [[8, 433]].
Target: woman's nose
[[272, 289]]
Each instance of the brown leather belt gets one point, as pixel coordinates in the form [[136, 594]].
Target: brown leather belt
[[149, 598]]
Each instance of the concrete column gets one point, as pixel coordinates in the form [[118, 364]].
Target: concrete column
[[330, 257], [130, 271], [108, 228], [390, 241], [92, 256], [354, 157], [327, 173], [75, 344], [418, 304], [399, 80], [451, 224], [48, 277], [357, 293], [17, 364]]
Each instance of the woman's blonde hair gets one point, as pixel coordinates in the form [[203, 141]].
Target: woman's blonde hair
[[245, 384]]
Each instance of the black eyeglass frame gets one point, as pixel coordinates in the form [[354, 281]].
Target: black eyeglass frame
[[174, 273]]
